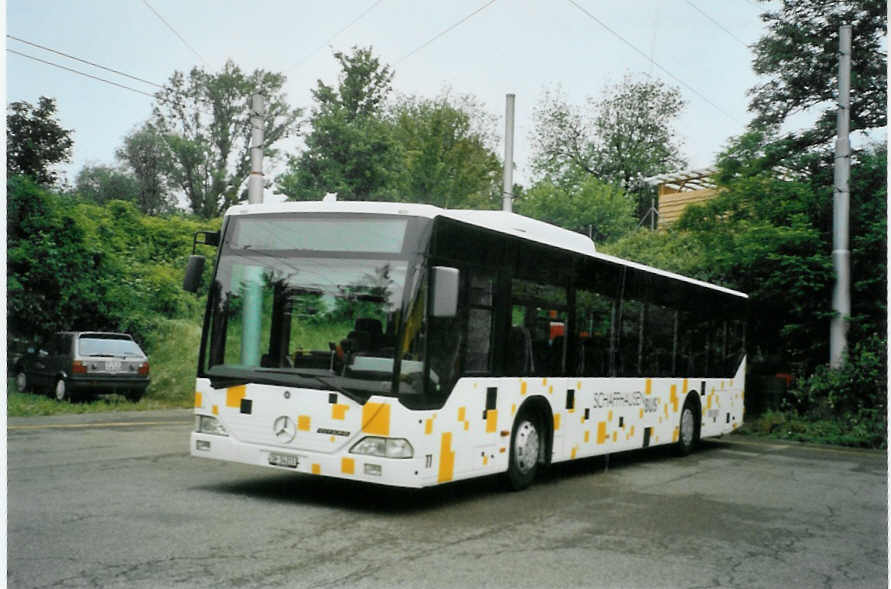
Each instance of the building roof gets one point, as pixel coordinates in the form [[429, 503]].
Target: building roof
[[686, 180]]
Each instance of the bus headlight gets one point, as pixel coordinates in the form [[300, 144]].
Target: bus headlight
[[205, 424], [383, 447]]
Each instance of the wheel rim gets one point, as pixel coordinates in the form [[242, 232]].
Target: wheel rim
[[688, 427], [60, 390], [526, 447], [21, 382]]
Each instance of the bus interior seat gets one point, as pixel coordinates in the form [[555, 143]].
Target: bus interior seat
[[357, 341], [556, 364], [519, 360], [593, 358], [372, 327]]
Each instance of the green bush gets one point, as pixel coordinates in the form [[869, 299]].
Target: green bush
[[82, 266], [853, 397]]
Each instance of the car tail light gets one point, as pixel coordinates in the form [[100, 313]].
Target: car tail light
[[144, 369], [78, 367]]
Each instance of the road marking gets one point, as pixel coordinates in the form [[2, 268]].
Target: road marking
[[97, 425]]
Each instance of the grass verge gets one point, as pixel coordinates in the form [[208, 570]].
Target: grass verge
[[781, 425]]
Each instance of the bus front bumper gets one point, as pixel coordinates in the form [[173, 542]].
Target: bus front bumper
[[399, 472]]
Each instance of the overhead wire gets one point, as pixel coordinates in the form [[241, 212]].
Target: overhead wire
[[80, 73], [334, 36], [97, 78], [63, 54], [444, 31], [175, 32], [717, 24], [651, 60]]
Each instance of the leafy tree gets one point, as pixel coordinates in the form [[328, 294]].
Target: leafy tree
[[206, 121], [80, 265], [623, 137], [147, 155], [101, 184], [746, 164], [799, 57], [601, 210], [55, 281], [350, 149], [869, 242], [449, 154], [35, 141]]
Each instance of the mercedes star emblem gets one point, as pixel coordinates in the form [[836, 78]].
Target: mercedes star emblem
[[284, 429]]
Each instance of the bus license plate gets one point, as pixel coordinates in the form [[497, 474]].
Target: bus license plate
[[286, 460]]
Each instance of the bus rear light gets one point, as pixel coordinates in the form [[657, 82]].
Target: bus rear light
[[383, 447], [78, 367]]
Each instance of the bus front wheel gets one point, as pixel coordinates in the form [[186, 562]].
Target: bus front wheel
[[525, 446]]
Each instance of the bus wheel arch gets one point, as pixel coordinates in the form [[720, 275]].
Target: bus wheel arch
[[532, 430], [689, 424]]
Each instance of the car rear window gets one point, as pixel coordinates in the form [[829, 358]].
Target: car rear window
[[107, 346]]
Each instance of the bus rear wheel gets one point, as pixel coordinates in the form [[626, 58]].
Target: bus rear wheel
[[525, 447], [687, 430]]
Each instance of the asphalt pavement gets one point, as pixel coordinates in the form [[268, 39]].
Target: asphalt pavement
[[114, 500]]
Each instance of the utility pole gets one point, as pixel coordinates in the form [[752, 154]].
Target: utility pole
[[841, 255], [508, 187], [256, 181], [252, 279]]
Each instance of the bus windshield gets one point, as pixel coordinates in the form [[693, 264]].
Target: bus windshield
[[311, 301]]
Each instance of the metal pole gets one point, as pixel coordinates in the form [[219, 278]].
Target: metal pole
[[841, 255], [255, 182], [252, 284], [508, 188]]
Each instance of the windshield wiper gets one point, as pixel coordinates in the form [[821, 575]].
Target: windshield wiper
[[327, 383]]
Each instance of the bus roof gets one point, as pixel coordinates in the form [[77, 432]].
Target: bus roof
[[500, 221]]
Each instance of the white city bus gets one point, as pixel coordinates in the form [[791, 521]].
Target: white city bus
[[409, 345]]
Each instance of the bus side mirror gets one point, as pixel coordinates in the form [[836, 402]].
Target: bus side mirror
[[195, 268], [445, 291]]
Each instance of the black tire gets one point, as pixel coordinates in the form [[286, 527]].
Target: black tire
[[688, 429], [134, 396], [526, 441], [22, 382], [60, 391]]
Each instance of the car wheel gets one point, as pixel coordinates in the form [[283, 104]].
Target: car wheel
[[134, 396], [687, 430], [60, 391], [525, 444], [22, 384]]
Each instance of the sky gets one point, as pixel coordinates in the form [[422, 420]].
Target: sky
[[522, 47]]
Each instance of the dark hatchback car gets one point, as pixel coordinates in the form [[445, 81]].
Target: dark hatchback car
[[85, 362]]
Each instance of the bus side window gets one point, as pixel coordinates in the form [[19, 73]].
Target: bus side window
[[594, 318], [659, 353], [537, 340], [481, 311]]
